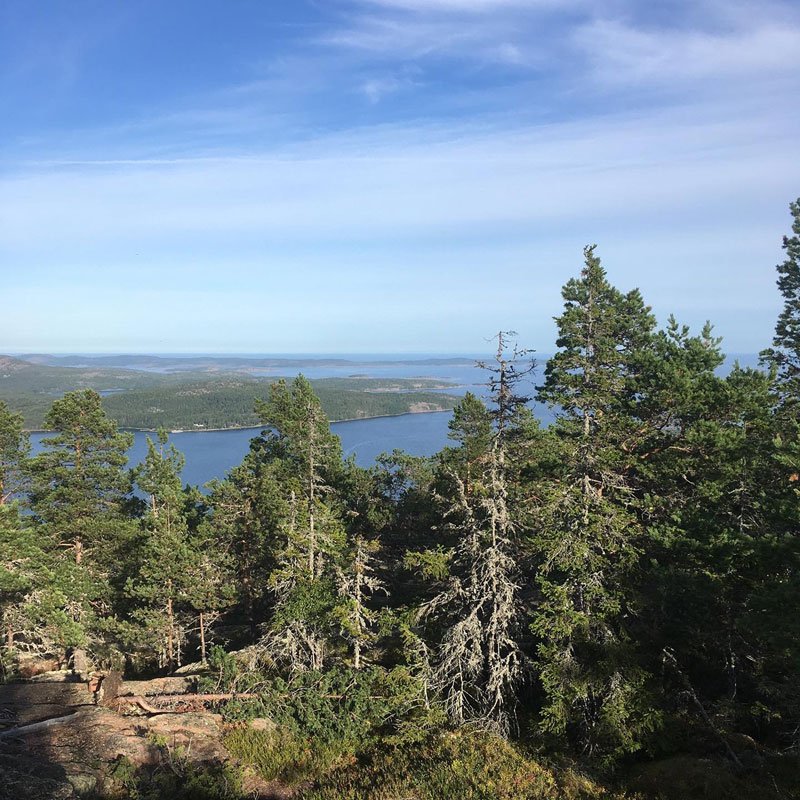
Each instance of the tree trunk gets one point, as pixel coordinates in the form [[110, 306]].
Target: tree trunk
[[170, 630], [312, 544], [202, 637], [80, 662]]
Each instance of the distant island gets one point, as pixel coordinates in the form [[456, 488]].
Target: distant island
[[207, 393], [183, 363]]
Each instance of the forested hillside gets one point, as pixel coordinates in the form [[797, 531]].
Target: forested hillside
[[606, 607], [198, 400]]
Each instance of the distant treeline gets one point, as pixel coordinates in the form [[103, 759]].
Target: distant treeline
[[222, 405], [193, 401]]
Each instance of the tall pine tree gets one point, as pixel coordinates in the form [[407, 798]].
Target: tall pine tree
[[14, 447], [588, 537], [78, 496], [298, 446]]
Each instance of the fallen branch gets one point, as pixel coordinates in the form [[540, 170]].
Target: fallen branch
[[23, 730], [145, 705], [669, 658]]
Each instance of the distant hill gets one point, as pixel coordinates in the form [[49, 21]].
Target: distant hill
[[229, 363], [201, 399], [9, 364]]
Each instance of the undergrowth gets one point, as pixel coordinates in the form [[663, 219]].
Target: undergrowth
[[176, 779], [461, 766]]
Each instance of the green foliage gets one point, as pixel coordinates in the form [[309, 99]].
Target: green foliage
[[587, 537], [164, 577], [229, 404], [78, 499], [176, 777], [297, 445], [344, 706], [14, 448], [29, 596], [326, 718], [460, 766], [282, 755], [431, 564], [197, 400], [784, 356]]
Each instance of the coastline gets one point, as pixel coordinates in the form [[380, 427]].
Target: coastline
[[261, 427]]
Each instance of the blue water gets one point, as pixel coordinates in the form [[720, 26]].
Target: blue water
[[210, 454]]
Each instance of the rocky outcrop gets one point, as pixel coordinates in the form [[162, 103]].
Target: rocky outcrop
[[57, 742]]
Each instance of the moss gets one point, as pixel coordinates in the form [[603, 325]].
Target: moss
[[462, 766]]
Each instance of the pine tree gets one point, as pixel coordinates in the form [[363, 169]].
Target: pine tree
[[78, 498], [24, 575], [721, 504], [784, 356], [14, 447], [471, 429], [588, 537], [22, 561], [161, 585], [298, 444], [477, 663], [211, 588], [245, 511]]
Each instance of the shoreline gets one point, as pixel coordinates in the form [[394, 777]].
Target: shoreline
[[261, 427]]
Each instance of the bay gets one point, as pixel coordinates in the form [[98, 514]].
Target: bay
[[211, 454]]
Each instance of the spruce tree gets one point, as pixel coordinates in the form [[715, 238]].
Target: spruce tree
[[358, 581]]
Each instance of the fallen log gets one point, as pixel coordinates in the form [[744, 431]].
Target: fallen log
[[145, 704], [23, 730]]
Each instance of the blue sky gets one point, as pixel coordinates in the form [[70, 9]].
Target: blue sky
[[387, 175]]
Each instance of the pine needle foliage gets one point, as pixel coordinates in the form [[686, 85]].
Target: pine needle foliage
[[588, 537]]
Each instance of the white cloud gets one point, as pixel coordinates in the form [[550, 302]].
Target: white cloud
[[468, 6], [367, 232], [621, 54], [389, 36], [409, 180], [376, 89]]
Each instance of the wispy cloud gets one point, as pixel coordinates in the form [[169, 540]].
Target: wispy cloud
[[622, 54], [407, 179], [472, 6], [405, 145]]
